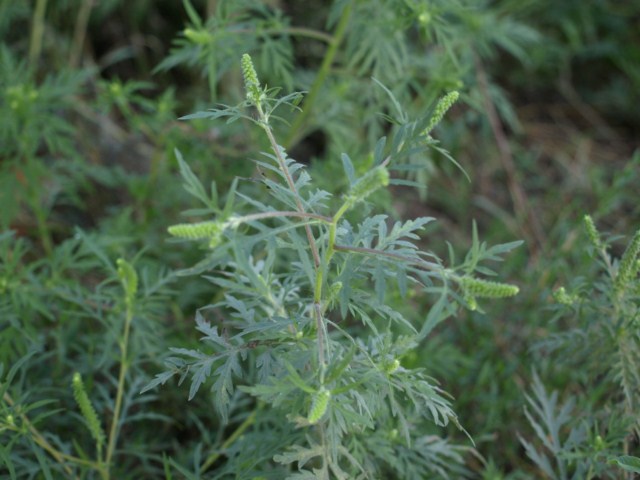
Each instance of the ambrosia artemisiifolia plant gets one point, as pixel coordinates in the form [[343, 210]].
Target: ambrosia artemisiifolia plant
[[594, 434], [302, 350]]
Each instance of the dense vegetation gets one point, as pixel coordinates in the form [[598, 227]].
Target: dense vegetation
[[350, 239]]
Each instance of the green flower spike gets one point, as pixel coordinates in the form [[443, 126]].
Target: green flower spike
[[197, 231], [87, 410], [251, 83], [441, 109], [561, 296], [369, 183], [476, 288], [628, 268], [319, 405], [592, 232]]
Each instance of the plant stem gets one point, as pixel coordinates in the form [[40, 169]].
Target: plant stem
[[35, 195], [317, 311], [296, 31], [529, 223], [285, 170], [80, 32], [37, 32], [294, 131], [232, 438], [303, 32], [334, 227], [320, 328], [317, 295], [212, 71], [43, 229], [211, 8], [124, 366], [320, 276]]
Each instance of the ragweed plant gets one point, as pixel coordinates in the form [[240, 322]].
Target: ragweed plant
[[332, 49], [301, 329], [100, 334], [604, 422]]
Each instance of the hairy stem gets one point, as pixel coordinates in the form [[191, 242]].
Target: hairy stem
[[317, 311], [292, 187]]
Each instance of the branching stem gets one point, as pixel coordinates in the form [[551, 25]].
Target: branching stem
[[317, 311], [285, 170]]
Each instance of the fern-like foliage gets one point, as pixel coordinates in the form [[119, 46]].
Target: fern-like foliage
[[549, 419], [604, 344], [301, 322]]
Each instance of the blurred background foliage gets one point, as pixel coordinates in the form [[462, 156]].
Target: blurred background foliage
[[90, 92]]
